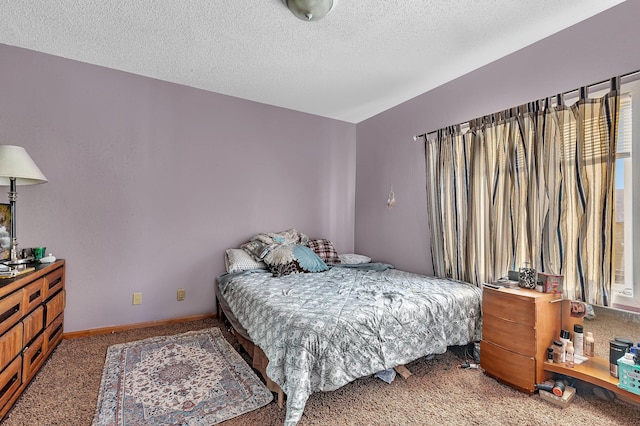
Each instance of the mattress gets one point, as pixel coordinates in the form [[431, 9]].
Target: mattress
[[323, 330]]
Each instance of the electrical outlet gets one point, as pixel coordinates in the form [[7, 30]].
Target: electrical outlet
[[137, 298], [180, 294]]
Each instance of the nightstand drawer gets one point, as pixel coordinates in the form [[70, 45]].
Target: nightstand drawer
[[509, 307], [509, 367], [516, 337]]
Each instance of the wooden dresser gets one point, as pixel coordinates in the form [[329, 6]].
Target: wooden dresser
[[31, 317], [518, 325]]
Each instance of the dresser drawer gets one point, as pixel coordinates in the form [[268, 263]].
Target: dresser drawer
[[54, 281], [10, 381], [11, 310], [509, 307], [509, 367], [33, 324], [55, 306], [10, 345], [516, 337], [33, 294], [53, 334], [33, 357]]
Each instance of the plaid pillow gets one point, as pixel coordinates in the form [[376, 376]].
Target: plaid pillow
[[325, 250]]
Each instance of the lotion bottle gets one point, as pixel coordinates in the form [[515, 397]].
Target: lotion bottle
[[564, 338], [589, 344], [578, 339], [557, 351], [569, 356], [627, 358]]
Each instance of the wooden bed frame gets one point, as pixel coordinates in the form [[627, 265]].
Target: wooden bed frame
[[259, 360]]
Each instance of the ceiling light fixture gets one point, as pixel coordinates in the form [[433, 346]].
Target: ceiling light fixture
[[310, 10]]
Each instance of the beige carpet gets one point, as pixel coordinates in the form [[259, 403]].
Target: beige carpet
[[66, 390]]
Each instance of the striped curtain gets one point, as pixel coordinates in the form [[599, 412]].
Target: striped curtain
[[532, 184]]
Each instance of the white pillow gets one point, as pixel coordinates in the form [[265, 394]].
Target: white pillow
[[353, 259], [238, 260]]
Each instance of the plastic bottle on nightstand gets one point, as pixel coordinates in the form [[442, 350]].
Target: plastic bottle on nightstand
[[557, 352], [578, 339], [589, 344], [627, 358], [564, 338], [569, 356]]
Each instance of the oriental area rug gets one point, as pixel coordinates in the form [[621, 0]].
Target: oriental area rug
[[195, 378]]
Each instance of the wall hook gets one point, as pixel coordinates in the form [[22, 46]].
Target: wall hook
[[392, 198]]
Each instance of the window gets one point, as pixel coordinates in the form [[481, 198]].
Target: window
[[529, 200], [626, 287], [625, 291]]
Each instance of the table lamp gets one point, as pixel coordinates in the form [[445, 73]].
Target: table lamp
[[17, 168]]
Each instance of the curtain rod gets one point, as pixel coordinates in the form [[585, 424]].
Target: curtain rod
[[628, 78]]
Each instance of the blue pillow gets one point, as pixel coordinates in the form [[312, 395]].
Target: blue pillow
[[308, 259], [292, 259]]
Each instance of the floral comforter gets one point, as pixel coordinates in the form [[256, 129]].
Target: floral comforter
[[323, 330]]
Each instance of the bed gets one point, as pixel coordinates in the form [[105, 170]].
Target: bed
[[318, 331]]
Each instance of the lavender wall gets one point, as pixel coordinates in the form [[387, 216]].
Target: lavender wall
[[591, 51], [149, 182]]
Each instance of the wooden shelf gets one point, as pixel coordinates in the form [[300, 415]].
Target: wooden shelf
[[596, 371]]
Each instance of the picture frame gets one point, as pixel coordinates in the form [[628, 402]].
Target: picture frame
[[5, 231]]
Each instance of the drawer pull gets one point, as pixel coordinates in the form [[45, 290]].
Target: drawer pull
[[9, 384], [36, 355], [54, 282], [8, 313], [34, 296]]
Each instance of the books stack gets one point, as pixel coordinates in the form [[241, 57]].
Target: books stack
[[505, 282], [13, 272]]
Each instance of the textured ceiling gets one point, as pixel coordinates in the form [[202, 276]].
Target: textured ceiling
[[365, 57]]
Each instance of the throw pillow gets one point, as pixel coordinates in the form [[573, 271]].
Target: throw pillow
[[325, 250], [293, 258], [354, 259], [238, 260]]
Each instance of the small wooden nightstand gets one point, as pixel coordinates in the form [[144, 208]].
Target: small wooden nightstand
[[518, 325]]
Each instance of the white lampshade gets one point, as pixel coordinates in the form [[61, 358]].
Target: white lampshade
[[16, 163], [310, 10]]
